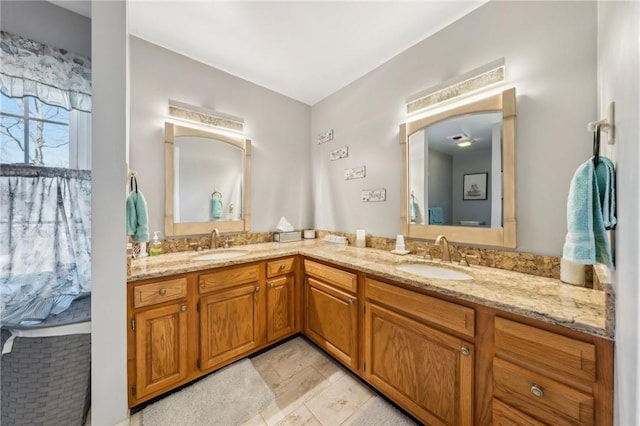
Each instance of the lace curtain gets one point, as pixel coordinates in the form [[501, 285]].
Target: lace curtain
[[55, 76], [45, 229]]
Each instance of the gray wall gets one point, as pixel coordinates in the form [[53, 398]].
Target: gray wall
[[619, 81], [553, 67], [465, 164], [277, 126], [47, 23]]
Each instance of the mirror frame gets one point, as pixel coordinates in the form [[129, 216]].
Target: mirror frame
[[171, 228], [498, 237]]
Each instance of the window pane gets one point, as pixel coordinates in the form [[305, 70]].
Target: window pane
[[11, 105], [42, 111], [11, 140], [48, 144]]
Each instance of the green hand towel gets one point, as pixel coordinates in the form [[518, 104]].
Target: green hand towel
[[435, 216], [216, 208], [137, 217], [586, 241]]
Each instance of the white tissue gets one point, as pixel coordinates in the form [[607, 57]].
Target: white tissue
[[283, 225]]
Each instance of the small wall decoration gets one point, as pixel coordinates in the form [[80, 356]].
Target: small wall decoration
[[474, 186], [325, 136], [355, 173], [373, 195], [339, 153]]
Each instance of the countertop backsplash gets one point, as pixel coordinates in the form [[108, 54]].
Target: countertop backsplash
[[528, 263]]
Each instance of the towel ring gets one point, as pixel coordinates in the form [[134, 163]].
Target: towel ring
[[596, 146], [216, 194]]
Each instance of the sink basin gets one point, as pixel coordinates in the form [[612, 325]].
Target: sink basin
[[430, 271], [222, 254]]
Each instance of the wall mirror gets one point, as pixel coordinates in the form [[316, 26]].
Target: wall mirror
[[459, 173], [207, 177]]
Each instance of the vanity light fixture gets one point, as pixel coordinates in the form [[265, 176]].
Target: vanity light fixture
[[204, 116], [481, 78]]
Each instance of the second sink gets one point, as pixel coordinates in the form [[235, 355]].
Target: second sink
[[430, 271], [222, 254]]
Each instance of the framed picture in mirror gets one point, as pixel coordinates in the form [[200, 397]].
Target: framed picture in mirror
[[475, 186]]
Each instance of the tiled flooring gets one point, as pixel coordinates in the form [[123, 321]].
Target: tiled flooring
[[310, 388]]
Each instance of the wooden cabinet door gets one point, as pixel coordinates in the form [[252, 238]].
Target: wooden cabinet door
[[331, 320], [229, 324], [161, 348], [428, 372], [280, 307]]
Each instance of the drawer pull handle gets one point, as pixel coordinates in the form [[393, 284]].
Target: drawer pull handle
[[537, 391], [162, 291], [183, 308], [465, 351], [281, 268]]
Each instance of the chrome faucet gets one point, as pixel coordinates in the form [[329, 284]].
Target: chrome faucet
[[214, 238], [446, 257]]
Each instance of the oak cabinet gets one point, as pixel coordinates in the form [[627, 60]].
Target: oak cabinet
[[186, 326], [159, 329], [331, 311], [281, 299], [549, 378], [228, 324], [427, 371]]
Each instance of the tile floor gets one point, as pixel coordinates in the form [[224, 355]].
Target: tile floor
[[310, 388]]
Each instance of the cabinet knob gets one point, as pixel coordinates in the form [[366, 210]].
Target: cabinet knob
[[537, 391], [257, 288], [183, 308], [281, 268], [465, 351], [162, 291], [351, 302], [271, 285]]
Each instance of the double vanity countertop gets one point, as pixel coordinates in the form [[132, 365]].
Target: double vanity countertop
[[546, 299]]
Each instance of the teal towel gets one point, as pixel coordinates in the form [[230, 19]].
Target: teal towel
[[414, 210], [216, 208], [137, 217], [590, 210], [435, 216]]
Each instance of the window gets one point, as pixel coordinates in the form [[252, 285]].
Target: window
[[34, 133]]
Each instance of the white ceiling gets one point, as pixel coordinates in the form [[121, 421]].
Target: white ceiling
[[304, 50]]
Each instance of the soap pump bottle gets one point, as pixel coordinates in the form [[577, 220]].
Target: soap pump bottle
[[156, 245]]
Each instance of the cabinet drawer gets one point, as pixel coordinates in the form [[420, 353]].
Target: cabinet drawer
[[541, 397], [226, 278], [159, 292], [337, 277], [504, 415], [546, 351], [450, 315], [279, 267]]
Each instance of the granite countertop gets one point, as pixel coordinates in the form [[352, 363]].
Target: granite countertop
[[545, 299]]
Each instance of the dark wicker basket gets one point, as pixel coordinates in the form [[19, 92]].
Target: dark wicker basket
[[46, 380]]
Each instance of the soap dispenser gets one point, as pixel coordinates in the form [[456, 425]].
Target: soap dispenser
[[156, 245]]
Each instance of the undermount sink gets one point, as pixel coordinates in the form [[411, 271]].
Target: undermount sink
[[430, 271], [222, 254]]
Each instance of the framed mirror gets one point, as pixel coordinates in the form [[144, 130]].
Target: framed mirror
[[207, 175], [458, 174]]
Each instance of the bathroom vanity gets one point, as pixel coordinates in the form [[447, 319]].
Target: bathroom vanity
[[501, 348]]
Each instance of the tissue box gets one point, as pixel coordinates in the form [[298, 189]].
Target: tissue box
[[286, 237]]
